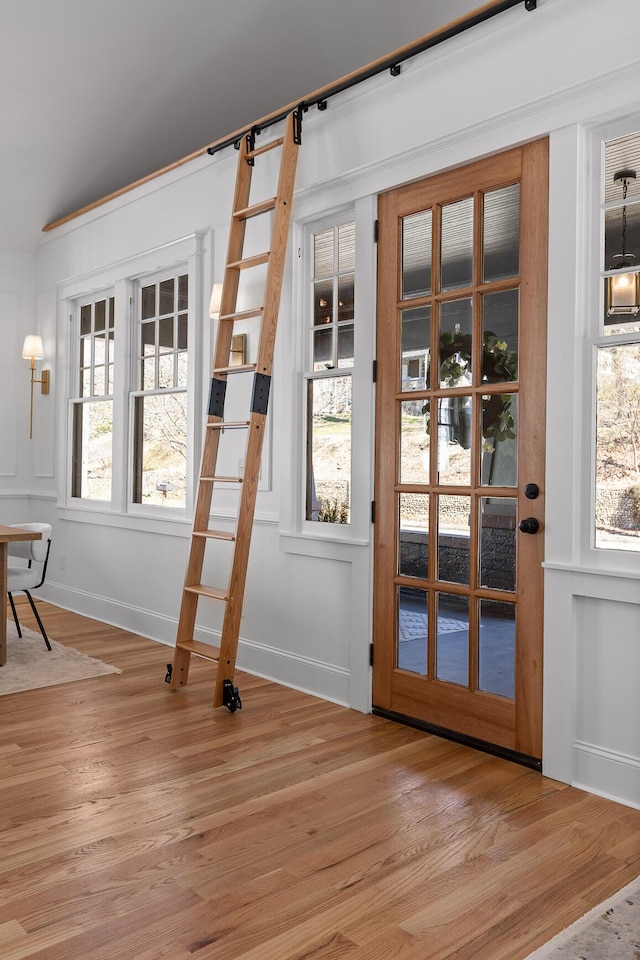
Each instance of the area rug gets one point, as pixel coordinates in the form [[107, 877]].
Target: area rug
[[30, 665], [611, 931]]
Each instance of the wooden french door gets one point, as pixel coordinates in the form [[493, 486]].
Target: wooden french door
[[460, 452]]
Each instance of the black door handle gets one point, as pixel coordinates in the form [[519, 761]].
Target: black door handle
[[529, 525], [531, 491]]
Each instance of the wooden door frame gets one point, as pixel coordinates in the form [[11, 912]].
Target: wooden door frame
[[529, 165]]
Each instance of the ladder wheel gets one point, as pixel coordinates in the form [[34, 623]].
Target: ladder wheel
[[231, 697], [167, 678]]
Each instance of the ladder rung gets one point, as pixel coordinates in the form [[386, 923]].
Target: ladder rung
[[255, 209], [243, 314], [265, 146], [249, 262], [221, 479], [214, 534], [229, 425], [238, 368], [211, 592], [205, 650]]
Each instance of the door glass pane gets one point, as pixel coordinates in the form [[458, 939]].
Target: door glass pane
[[414, 441], [416, 343], [454, 441], [416, 255], [454, 529], [501, 233], [500, 337], [413, 556], [452, 643], [412, 630], [499, 467], [457, 245], [497, 648], [456, 324], [498, 543], [329, 450]]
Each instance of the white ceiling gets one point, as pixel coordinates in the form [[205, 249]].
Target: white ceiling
[[97, 93]]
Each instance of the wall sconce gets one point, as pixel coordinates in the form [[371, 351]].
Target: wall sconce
[[216, 298], [623, 289], [32, 350]]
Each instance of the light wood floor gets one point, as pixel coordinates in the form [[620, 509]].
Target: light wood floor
[[136, 823]]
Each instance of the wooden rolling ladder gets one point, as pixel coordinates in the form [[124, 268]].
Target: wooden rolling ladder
[[233, 594]]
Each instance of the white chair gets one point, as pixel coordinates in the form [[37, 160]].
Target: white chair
[[23, 578]]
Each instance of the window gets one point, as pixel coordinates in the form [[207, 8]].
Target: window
[[159, 403], [617, 484], [328, 377], [92, 406]]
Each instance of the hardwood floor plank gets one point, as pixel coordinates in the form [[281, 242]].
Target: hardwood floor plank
[[138, 823]]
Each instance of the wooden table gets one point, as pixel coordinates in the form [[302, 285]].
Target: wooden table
[[9, 535]]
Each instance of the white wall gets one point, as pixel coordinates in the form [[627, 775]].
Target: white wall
[[308, 601], [17, 319]]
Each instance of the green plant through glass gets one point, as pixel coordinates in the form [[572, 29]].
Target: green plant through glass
[[499, 365]]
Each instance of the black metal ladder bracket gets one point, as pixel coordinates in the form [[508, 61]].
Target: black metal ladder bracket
[[231, 697], [217, 394], [297, 123], [260, 397]]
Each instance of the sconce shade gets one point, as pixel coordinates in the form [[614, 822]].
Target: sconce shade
[[32, 348], [216, 297]]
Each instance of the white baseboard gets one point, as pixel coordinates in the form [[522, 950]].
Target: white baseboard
[[607, 773], [301, 673]]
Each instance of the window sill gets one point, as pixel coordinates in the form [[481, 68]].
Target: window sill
[[330, 548], [169, 526]]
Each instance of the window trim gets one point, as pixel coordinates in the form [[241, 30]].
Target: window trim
[[333, 373], [135, 390], [76, 398], [192, 254], [298, 535], [599, 558]]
